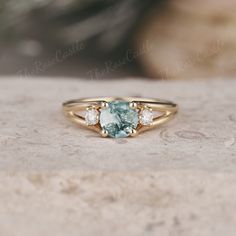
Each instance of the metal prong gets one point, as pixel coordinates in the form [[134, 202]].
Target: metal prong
[[104, 133], [148, 108], [90, 108], [133, 133], [133, 105], [104, 104]]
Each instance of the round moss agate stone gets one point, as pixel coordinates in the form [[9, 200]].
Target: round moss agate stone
[[118, 119]]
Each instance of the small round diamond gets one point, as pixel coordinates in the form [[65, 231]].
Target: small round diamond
[[146, 117], [91, 116]]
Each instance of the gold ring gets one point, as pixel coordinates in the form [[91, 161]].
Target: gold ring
[[119, 117]]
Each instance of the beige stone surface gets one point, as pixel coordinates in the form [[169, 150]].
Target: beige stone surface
[[59, 179]]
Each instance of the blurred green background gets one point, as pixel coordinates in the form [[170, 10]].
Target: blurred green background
[[98, 39], [92, 34]]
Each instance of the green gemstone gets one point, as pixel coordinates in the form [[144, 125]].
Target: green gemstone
[[118, 119]]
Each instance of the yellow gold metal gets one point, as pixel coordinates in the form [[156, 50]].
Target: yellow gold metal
[[134, 133], [73, 108], [133, 105], [104, 133], [90, 108], [104, 104]]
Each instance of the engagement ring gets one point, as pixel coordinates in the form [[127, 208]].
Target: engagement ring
[[119, 117]]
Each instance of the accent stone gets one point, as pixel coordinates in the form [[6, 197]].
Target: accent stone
[[91, 116], [146, 117], [118, 119]]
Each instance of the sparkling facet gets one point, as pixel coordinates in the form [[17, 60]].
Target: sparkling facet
[[91, 117], [118, 119], [146, 117]]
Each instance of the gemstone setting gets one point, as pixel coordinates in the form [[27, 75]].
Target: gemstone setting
[[91, 116], [118, 119], [146, 116]]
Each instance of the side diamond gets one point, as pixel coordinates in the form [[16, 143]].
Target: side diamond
[[146, 116], [91, 116]]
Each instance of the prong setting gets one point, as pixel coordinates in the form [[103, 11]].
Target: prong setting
[[104, 104], [133, 133], [104, 133], [133, 105], [90, 108]]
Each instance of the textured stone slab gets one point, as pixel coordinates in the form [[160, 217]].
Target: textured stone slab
[[59, 179], [180, 203], [36, 136]]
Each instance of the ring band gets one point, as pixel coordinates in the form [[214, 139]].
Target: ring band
[[119, 117]]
